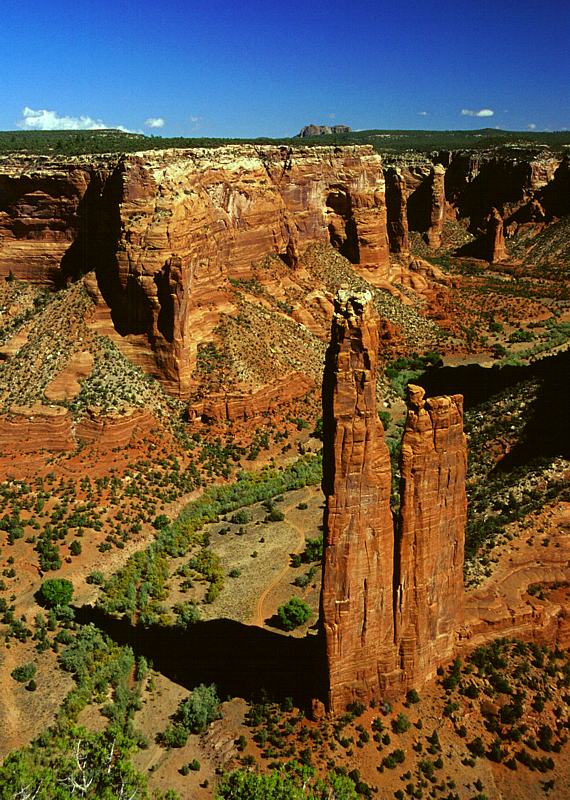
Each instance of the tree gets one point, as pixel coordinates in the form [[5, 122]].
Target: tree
[[55, 592], [293, 614]]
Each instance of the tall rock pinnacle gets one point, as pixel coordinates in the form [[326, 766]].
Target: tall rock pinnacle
[[429, 592], [356, 601], [390, 609]]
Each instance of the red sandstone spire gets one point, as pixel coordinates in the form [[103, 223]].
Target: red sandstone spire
[[357, 611], [429, 593], [390, 614]]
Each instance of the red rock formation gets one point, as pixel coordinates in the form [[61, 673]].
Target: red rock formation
[[396, 210], [107, 431], [29, 429], [33, 429], [356, 600], [241, 406], [163, 231], [496, 247], [430, 594], [40, 213], [437, 207], [390, 614]]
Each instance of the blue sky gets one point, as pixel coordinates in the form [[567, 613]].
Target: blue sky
[[213, 68]]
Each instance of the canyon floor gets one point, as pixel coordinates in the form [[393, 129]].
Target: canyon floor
[[84, 511]]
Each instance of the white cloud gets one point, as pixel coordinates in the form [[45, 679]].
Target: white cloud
[[422, 113], [531, 126], [154, 122], [483, 112], [44, 120]]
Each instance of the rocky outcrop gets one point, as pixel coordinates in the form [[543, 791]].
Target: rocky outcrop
[[30, 429], [356, 600], [429, 591], [390, 610], [67, 384], [322, 130], [42, 205], [51, 429], [247, 405], [425, 185], [437, 207], [478, 182], [107, 431], [495, 238], [397, 210]]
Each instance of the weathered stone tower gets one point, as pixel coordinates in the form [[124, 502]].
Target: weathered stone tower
[[390, 605]]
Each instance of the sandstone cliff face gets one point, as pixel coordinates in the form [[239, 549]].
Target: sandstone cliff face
[[356, 601], [437, 207], [162, 232], [478, 182], [40, 214], [427, 205], [430, 595]]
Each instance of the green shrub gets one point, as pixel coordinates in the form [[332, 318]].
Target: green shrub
[[186, 614], [412, 697], [55, 592], [401, 724], [24, 673], [201, 708], [293, 613]]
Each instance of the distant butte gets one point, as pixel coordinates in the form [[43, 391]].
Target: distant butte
[[322, 130]]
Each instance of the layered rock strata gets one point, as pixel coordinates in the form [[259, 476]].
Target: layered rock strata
[[390, 611], [356, 600], [161, 232], [430, 593], [37, 428]]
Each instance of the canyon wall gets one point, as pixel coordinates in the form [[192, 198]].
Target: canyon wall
[[157, 235], [390, 609], [160, 233]]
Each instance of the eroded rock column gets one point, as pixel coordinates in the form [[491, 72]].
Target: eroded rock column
[[430, 593], [356, 600], [396, 211], [437, 207]]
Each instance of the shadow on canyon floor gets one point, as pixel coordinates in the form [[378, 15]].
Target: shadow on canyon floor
[[240, 659], [546, 432]]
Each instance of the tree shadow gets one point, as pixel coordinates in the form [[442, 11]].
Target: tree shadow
[[240, 659]]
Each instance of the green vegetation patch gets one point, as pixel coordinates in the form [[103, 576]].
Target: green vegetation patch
[[139, 587]]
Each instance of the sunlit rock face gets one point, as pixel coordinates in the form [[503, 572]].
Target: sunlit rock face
[[391, 605]]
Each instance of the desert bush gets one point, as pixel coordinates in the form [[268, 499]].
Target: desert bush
[[293, 613], [24, 673], [55, 592]]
